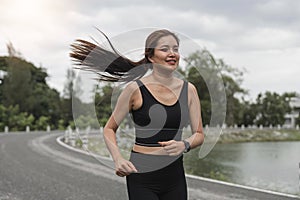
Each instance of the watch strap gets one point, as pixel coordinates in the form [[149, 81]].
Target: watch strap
[[187, 146]]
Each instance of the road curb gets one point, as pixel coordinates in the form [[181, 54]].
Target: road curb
[[59, 141]]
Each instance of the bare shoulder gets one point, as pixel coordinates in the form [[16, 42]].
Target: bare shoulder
[[134, 95], [192, 88], [130, 88], [192, 93]]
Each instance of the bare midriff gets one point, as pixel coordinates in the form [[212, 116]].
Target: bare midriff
[[149, 150]]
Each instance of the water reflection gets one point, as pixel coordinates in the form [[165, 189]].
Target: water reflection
[[266, 165], [214, 165]]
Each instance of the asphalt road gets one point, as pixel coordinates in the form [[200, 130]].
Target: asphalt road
[[33, 166]]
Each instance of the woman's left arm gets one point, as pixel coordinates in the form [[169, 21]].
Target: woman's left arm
[[197, 137]]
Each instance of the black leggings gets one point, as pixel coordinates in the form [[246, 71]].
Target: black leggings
[[165, 183]]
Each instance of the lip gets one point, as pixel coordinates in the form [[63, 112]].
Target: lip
[[171, 61]]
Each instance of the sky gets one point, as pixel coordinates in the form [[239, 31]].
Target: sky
[[261, 37]]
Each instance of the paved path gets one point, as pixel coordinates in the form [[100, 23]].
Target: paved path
[[33, 166]]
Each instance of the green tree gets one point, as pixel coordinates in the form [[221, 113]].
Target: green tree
[[24, 86], [42, 123], [298, 120], [249, 113], [194, 77], [45, 102], [103, 101], [271, 108], [17, 85], [71, 99], [72, 85], [3, 118], [205, 72], [83, 122], [14, 119]]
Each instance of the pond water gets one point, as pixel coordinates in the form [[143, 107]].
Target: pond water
[[266, 165]]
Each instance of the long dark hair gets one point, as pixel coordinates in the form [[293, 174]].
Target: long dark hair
[[111, 65]]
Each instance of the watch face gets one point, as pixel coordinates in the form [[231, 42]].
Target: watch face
[[187, 146]]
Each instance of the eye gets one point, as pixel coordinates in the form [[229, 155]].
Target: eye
[[164, 49], [176, 49]]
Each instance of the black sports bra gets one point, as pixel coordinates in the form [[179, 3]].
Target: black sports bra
[[156, 122]]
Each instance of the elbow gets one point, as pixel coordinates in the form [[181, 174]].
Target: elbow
[[108, 130], [200, 138]]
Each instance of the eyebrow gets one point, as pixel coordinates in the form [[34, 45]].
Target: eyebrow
[[165, 45]]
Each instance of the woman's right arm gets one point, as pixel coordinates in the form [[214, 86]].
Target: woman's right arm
[[123, 167]]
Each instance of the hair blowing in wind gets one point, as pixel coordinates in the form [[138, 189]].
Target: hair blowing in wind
[[111, 65]]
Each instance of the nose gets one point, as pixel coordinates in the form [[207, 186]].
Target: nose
[[171, 52]]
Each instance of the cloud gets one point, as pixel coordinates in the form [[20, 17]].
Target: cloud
[[244, 33], [282, 11], [272, 70], [267, 39]]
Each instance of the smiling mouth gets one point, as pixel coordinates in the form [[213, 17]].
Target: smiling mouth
[[171, 62]]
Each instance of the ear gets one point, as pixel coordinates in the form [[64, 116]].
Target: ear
[[150, 58]]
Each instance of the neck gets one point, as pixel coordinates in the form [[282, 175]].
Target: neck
[[165, 78]]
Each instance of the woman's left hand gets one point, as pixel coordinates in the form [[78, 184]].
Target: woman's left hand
[[172, 147]]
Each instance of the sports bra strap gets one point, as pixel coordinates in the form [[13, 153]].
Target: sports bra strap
[[139, 82]]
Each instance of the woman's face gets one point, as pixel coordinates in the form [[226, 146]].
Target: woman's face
[[166, 53]]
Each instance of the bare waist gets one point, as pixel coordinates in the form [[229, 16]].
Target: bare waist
[[156, 150]]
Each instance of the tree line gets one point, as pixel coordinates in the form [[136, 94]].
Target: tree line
[[27, 100]]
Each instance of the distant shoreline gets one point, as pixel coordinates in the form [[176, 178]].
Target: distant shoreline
[[234, 135], [259, 135]]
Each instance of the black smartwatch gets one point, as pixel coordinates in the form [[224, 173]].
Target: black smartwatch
[[187, 146]]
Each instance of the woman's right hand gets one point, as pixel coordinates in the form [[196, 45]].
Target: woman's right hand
[[124, 167]]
